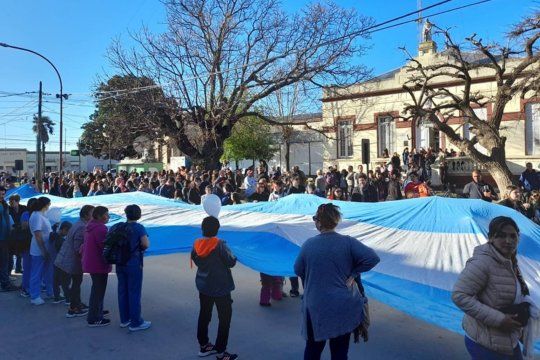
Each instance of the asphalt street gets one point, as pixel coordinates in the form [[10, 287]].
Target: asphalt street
[[170, 301]]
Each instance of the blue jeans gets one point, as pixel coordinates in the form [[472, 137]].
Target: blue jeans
[[129, 293], [27, 270], [479, 352], [40, 273]]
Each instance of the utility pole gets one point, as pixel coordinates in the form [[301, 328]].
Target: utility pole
[[38, 145], [60, 96], [65, 145]]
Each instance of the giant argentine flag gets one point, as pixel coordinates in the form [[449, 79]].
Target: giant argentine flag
[[423, 243]]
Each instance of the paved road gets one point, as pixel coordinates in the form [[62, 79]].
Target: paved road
[[170, 301]]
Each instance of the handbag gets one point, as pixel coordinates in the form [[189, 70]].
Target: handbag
[[522, 310], [362, 329]]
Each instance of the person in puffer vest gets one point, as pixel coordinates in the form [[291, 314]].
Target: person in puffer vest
[[493, 295], [214, 281]]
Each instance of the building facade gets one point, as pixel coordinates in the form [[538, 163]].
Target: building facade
[[71, 163], [370, 113]]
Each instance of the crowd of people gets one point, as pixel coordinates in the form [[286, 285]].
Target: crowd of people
[[53, 257], [498, 313]]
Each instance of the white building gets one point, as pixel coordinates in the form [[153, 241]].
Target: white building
[[8, 157], [71, 163]]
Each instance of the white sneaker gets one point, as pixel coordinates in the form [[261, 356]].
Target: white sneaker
[[144, 325], [37, 301], [125, 325]]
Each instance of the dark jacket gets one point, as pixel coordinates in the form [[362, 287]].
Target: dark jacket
[[5, 222], [518, 206], [259, 197], [194, 197], [214, 276], [301, 189], [530, 180], [366, 194]]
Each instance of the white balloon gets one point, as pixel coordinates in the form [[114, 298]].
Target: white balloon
[[212, 205], [54, 215]]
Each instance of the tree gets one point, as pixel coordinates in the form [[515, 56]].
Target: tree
[[250, 139], [219, 58], [122, 115], [515, 68], [46, 128]]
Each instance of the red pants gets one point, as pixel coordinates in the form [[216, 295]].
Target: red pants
[[270, 288]]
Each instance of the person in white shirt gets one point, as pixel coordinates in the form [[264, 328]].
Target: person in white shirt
[[278, 191], [250, 183], [41, 229]]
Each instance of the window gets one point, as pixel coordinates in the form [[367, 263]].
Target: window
[[386, 135], [532, 128], [345, 145]]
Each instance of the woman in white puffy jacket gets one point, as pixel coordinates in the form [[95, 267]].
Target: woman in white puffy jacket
[[493, 295]]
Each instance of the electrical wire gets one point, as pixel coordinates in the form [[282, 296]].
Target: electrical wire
[[365, 31]]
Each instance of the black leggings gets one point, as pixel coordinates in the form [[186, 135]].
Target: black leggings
[[224, 310], [339, 346]]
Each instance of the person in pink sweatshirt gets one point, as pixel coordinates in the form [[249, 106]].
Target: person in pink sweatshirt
[[94, 264]]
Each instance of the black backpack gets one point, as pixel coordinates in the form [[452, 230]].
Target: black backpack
[[117, 248]]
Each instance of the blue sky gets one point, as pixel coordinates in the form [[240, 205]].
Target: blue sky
[[74, 35]]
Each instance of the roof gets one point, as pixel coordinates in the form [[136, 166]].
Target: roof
[[474, 57], [301, 118], [387, 75]]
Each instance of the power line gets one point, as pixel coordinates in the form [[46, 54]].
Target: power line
[[434, 14], [144, 88], [4, 94], [369, 30], [365, 31]]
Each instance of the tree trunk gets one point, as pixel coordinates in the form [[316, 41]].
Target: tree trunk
[[211, 159], [43, 155], [209, 155], [501, 174]]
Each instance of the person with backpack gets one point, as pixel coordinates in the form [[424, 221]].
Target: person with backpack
[[94, 264], [68, 260], [215, 283], [130, 271]]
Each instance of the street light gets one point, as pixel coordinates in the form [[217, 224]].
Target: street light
[[61, 96]]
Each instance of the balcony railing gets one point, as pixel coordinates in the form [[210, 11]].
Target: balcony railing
[[461, 165]]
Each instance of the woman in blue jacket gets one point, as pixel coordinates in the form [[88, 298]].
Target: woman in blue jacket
[[332, 305]]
